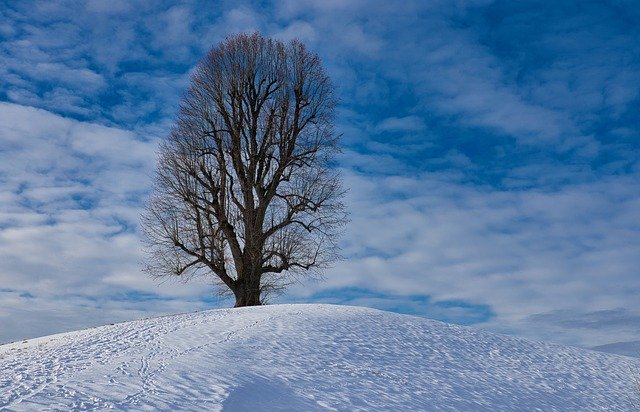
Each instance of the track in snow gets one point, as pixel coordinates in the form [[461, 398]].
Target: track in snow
[[306, 357]]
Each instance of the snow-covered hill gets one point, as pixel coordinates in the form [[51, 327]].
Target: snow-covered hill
[[306, 358]]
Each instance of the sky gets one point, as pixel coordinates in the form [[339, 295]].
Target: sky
[[490, 148]]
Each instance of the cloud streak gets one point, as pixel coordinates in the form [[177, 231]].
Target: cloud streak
[[434, 236], [70, 206]]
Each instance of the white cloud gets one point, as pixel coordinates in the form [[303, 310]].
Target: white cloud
[[171, 32], [300, 30], [519, 252], [239, 19], [72, 196], [86, 79]]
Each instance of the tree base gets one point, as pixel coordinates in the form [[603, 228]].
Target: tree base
[[247, 301]]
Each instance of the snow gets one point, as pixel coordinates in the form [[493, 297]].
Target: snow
[[307, 358]]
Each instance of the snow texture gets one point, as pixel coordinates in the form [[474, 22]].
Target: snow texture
[[307, 358]]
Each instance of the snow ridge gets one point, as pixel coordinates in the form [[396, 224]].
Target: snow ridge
[[307, 357]]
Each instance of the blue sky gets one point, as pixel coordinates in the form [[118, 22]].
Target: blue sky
[[490, 147]]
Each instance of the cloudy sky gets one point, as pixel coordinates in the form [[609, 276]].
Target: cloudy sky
[[491, 149]]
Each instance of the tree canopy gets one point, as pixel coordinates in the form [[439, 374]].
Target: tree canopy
[[245, 189]]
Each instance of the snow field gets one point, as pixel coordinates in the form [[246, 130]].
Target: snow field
[[307, 358]]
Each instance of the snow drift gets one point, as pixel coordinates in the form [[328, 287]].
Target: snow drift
[[306, 358]]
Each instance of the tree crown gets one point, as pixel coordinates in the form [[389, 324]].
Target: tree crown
[[244, 187]]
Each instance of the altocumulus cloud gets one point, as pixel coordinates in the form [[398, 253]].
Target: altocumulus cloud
[[490, 147], [69, 209]]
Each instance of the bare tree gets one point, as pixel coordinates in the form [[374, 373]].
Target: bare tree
[[245, 189]]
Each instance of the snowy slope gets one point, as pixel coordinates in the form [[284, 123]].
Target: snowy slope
[[306, 358]]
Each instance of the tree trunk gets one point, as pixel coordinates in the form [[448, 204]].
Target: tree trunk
[[247, 292]]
